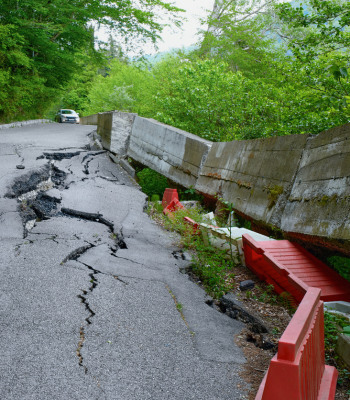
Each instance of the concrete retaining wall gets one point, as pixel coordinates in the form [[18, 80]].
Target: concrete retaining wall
[[122, 124], [299, 184], [174, 153], [254, 175], [89, 120], [319, 203]]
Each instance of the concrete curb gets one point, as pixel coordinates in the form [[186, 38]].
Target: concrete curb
[[25, 123]]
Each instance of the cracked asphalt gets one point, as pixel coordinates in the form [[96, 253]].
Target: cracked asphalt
[[89, 284]]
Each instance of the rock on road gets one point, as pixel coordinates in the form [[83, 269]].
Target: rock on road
[[89, 284]]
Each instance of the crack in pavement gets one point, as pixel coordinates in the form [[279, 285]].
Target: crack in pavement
[[128, 259], [80, 346], [91, 313], [75, 254], [39, 206], [19, 154], [96, 217], [96, 153], [58, 156], [106, 178], [29, 182], [96, 271], [91, 156], [179, 308], [84, 300]]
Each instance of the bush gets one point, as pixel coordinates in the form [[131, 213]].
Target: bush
[[151, 182], [341, 265]]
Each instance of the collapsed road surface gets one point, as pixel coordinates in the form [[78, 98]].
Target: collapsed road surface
[[90, 288]]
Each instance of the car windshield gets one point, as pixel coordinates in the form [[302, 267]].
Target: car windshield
[[67, 111]]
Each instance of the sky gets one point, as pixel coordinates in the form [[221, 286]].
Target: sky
[[175, 38], [172, 37]]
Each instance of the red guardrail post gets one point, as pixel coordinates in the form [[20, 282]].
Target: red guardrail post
[[169, 196], [298, 370]]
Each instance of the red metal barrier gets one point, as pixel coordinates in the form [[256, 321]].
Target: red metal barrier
[[195, 226], [290, 268], [173, 206], [298, 370], [168, 196]]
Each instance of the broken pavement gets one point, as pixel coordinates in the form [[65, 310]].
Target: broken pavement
[[90, 284]]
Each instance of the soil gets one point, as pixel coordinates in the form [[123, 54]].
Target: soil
[[276, 317]]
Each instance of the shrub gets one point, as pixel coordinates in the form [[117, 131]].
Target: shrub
[[341, 265], [151, 182]]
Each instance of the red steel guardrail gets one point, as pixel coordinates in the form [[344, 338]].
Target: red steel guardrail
[[298, 370]]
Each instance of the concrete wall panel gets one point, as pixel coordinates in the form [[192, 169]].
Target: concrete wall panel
[[104, 128], [89, 120], [299, 183], [254, 175], [319, 203], [121, 131], [172, 152]]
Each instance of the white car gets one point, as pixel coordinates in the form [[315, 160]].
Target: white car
[[65, 115]]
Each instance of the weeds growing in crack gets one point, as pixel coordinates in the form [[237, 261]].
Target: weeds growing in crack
[[179, 308]]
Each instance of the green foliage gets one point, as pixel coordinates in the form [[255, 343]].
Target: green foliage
[[177, 223], [239, 32], [341, 265], [262, 70], [266, 294], [210, 265], [189, 194], [325, 26], [206, 98], [41, 43], [213, 269], [333, 325], [197, 98], [151, 182], [321, 48], [124, 88]]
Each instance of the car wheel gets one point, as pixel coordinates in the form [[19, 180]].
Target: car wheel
[[60, 121]]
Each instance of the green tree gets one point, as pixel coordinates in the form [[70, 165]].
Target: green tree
[[326, 24], [241, 34], [47, 37], [320, 47], [196, 96], [125, 88], [207, 98]]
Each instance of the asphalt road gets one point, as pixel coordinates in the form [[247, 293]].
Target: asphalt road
[[89, 284]]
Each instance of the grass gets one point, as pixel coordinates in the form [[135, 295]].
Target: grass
[[210, 265], [333, 326]]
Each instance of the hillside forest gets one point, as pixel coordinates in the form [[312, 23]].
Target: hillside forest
[[260, 67]]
